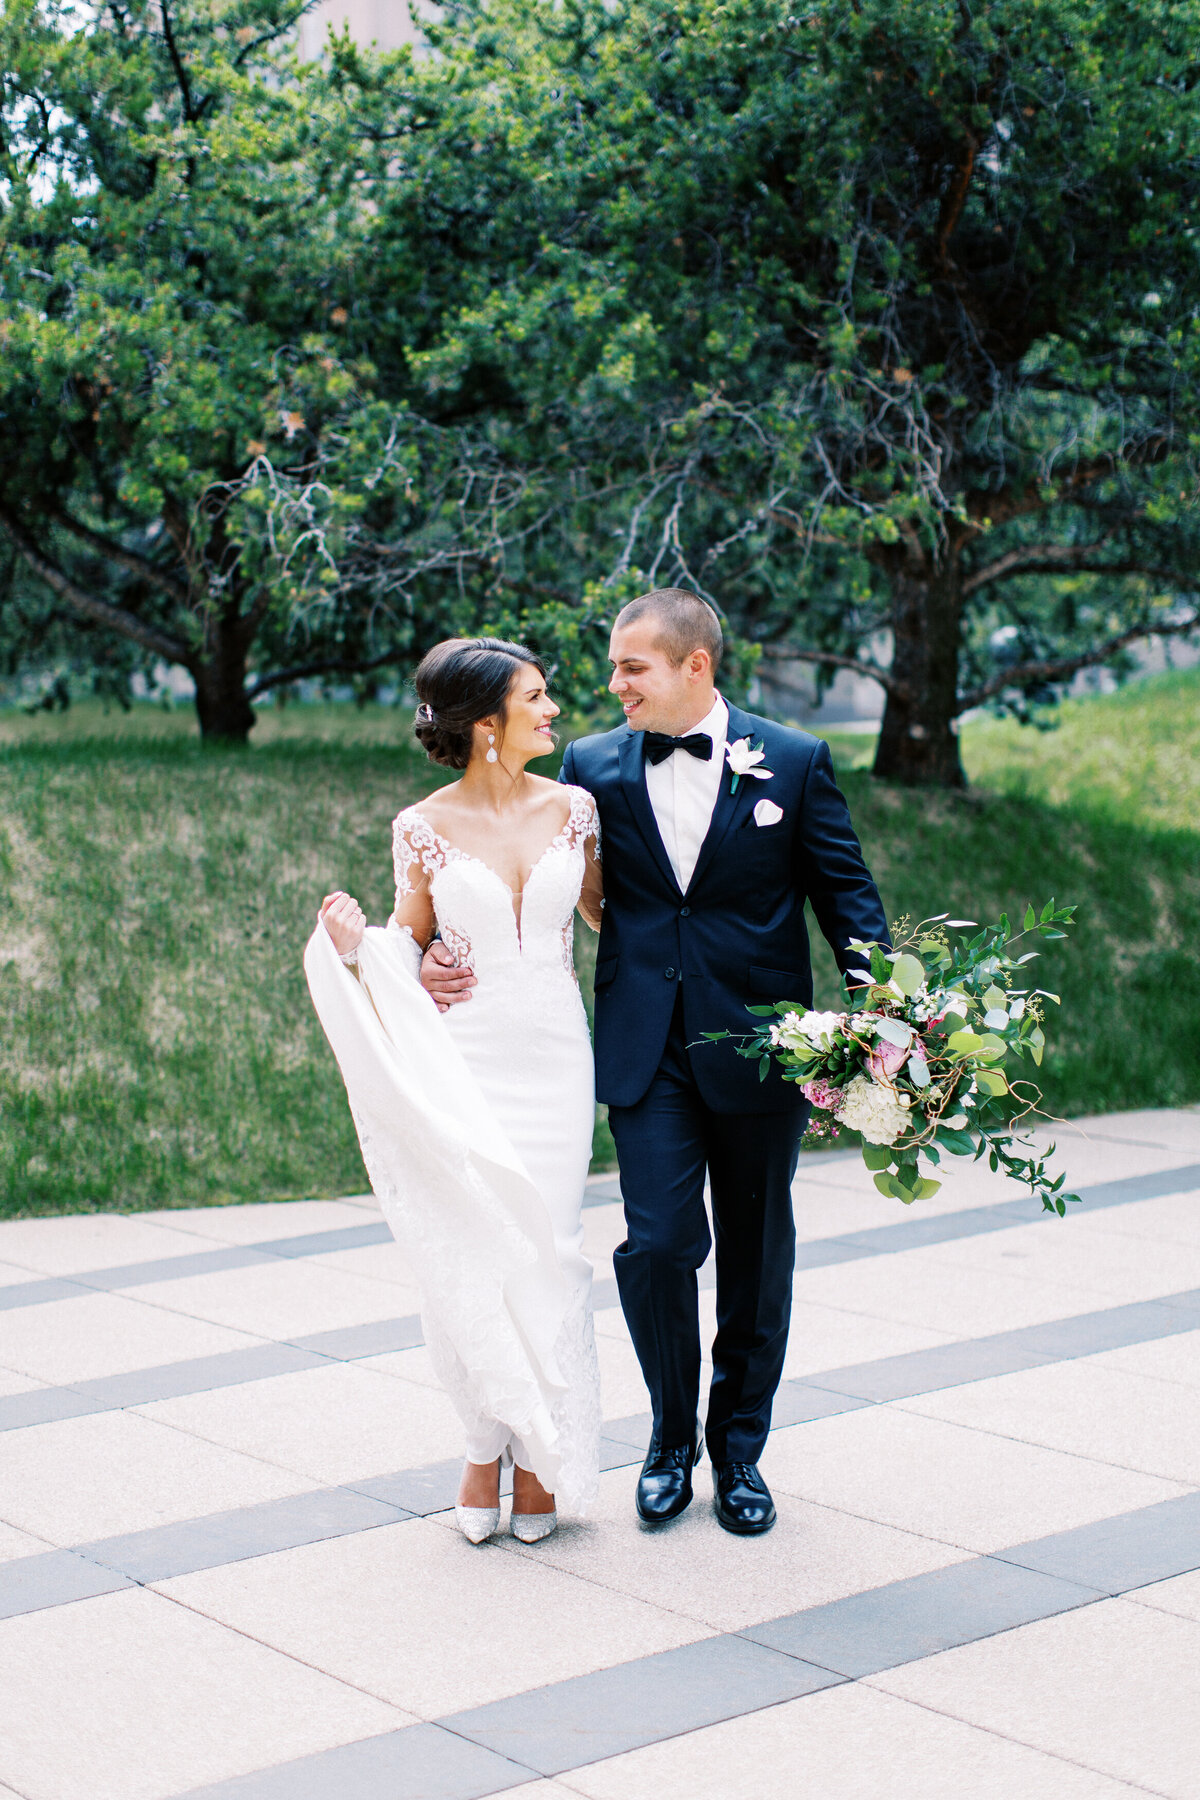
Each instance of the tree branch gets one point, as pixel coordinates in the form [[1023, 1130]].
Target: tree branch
[[332, 666], [954, 200], [87, 606], [1049, 559], [1011, 503], [126, 559], [190, 112], [830, 659], [1062, 668]]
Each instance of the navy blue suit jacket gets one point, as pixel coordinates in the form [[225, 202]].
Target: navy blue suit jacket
[[737, 937]]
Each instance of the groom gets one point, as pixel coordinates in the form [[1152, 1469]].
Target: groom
[[706, 873]]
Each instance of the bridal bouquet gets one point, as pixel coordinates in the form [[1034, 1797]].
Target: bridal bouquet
[[925, 1059]]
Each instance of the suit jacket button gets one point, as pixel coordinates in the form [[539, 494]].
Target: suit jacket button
[[670, 974], [684, 912]]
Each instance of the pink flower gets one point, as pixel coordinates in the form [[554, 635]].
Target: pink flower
[[821, 1093], [887, 1060]]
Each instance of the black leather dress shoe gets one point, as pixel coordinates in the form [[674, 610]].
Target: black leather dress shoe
[[665, 1484], [741, 1498]]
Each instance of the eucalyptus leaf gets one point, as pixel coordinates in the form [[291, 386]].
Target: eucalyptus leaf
[[908, 973]]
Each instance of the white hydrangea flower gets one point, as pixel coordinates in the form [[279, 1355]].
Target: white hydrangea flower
[[815, 1028], [878, 1113], [818, 1025]]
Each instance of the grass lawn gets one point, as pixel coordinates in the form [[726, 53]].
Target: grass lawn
[[159, 1045]]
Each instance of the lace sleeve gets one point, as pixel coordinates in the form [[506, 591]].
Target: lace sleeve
[[584, 825], [413, 845]]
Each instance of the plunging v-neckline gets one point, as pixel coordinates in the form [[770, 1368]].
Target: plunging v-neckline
[[557, 842]]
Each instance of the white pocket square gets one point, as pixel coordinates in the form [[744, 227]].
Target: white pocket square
[[767, 813]]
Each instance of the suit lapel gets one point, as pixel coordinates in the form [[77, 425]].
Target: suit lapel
[[633, 781], [729, 805]]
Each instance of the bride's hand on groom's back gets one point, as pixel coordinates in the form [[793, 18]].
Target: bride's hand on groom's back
[[344, 920], [443, 978]]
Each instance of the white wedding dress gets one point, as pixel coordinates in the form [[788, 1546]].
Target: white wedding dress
[[476, 1129]]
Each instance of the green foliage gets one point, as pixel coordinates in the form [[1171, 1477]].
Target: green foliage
[[853, 318], [178, 232]]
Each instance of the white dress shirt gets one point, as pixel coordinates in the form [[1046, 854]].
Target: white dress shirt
[[683, 792]]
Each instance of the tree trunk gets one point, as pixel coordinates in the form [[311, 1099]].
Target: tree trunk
[[224, 712], [918, 740]]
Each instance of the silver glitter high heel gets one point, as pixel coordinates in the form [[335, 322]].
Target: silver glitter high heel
[[476, 1523], [531, 1528]]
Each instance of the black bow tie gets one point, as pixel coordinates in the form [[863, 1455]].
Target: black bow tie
[[659, 746]]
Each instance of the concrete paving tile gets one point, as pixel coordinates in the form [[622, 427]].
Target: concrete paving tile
[[1179, 1595], [77, 1242], [129, 1697], [328, 1424], [53, 1578], [908, 1620], [420, 1762], [1085, 1254], [546, 1789], [14, 1275], [403, 1365], [622, 1388], [1172, 1218], [1112, 1686], [1121, 1550], [947, 1481], [593, 1716], [1108, 1414], [418, 1616], [108, 1334], [228, 1537], [1093, 1151], [845, 1743], [1161, 1127], [814, 1554], [13, 1382], [14, 1543], [827, 1337], [350, 1343], [283, 1299], [106, 1473], [261, 1220], [609, 1321], [371, 1262], [915, 1287], [603, 1230]]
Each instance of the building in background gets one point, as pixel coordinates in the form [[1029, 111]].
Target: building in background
[[383, 22]]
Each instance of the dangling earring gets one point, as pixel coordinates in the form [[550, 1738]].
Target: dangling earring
[[491, 755]]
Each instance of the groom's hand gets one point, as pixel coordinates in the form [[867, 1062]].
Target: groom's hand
[[442, 977]]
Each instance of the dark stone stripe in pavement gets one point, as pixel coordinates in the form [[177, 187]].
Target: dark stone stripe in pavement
[[1001, 1354], [418, 1762], [416, 1493], [568, 1724], [31, 1583], [909, 1233]]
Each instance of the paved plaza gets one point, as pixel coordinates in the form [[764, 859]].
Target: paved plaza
[[230, 1569]]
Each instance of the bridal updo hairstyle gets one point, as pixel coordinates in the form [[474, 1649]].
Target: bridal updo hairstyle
[[460, 682]]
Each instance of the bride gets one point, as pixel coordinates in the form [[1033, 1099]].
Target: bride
[[476, 1122]]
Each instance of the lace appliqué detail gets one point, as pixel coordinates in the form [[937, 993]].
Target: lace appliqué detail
[[415, 843]]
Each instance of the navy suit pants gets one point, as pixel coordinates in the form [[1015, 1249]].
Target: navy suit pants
[[665, 1144]]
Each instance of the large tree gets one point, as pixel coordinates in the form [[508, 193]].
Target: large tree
[[178, 233], [870, 318]]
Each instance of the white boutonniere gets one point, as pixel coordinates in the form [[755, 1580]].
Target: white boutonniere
[[744, 761]]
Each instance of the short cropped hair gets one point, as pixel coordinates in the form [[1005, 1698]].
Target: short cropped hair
[[682, 620]]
